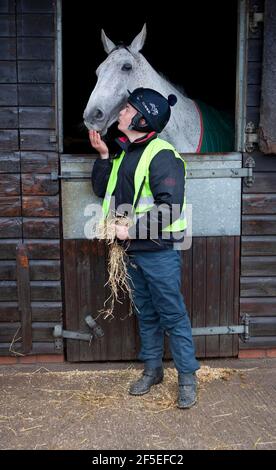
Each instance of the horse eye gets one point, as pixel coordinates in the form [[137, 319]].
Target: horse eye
[[126, 67]]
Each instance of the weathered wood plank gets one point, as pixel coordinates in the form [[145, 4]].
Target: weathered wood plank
[[9, 184], [213, 293], [9, 162], [258, 306], [40, 49], [259, 246], [48, 270], [8, 248], [36, 206], [38, 139], [7, 48], [199, 291], [10, 332], [9, 118], [39, 162], [8, 95], [253, 95], [227, 286], [43, 331], [258, 266], [10, 227], [36, 94], [8, 270], [36, 118], [7, 25], [258, 286], [41, 228], [33, 6], [8, 291], [9, 140], [255, 47], [253, 114], [39, 185], [9, 312], [45, 270], [47, 311], [259, 342], [10, 206], [45, 290], [254, 73], [71, 301], [43, 249], [35, 25], [259, 204], [36, 71], [262, 162], [258, 224], [263, 183], [37, 349], [267, 126], [24, 297], [8, 71], [236, 310], [263, 326], [7, 6]]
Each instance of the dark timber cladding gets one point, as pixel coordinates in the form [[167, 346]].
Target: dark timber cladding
[[258, 242], [29, 200], [210, 283]]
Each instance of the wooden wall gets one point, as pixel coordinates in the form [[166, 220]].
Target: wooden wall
[[29, 199], [258, 241]]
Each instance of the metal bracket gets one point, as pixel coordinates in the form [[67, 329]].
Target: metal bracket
[[60, 333], [242, 330], [255, 17], [249, 164], [191, 174], [68, 175], [251, 137]]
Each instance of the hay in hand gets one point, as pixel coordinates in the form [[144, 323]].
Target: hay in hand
[[118, 277]]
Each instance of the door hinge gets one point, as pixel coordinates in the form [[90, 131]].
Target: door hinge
[[60, 333], [251, 137], [241, 330], [255, 18]]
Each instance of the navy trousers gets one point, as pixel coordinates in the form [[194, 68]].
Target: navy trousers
[[156, 281]]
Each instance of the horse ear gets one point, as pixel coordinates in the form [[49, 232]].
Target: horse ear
[[138, 42], [107, 43]]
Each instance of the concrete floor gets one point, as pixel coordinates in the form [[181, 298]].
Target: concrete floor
[[87, 406]]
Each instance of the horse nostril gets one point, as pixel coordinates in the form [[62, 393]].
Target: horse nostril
[[98, 114]]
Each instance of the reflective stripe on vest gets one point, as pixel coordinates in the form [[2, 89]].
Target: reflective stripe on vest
[[146, 200]]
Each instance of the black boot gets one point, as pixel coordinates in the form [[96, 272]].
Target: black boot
[[150, 377], [187, 385]]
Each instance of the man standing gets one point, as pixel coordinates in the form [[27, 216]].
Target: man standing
[[149, 176]]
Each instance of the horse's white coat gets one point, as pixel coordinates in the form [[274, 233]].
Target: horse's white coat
[[115, 78]]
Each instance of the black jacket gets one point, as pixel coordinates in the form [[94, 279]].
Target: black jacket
[[166, 183]]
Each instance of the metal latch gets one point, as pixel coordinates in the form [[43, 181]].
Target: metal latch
[[251, 137], [242, 330], [255, 17], [97, 332]]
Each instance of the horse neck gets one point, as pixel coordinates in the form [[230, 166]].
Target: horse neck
[[183, 128]]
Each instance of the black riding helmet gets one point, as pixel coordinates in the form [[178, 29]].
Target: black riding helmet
[[153, 107]]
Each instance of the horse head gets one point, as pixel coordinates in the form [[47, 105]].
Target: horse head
[[121, 71]]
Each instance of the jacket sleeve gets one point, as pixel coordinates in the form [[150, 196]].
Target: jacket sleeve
[[100, 176], [167, 185]]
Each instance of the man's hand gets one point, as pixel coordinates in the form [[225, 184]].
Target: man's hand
[[121, 232], [98, 144]]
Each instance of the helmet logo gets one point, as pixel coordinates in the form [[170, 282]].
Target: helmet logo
[[151, 109]]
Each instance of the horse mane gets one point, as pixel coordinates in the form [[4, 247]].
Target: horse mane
[[173, 85]]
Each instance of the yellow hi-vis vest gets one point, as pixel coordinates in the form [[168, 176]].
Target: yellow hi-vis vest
[[141, 177]]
